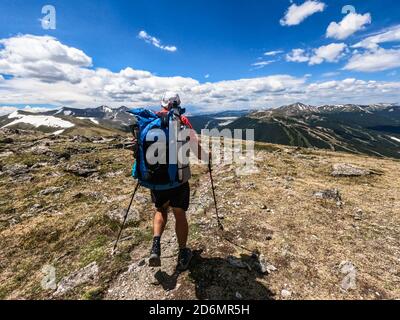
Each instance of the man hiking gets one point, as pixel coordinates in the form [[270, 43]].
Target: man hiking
[[178, 197]]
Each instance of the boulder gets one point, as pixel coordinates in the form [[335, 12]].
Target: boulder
[[82, 276], [81, 169], [51, 190], [264, 267], [15, 169], [119, 215], [348, 170], [330, 194]]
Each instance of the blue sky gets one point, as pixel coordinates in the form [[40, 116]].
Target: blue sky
[[215, 41]]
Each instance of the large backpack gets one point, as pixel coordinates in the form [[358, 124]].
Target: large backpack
[[153, 176]]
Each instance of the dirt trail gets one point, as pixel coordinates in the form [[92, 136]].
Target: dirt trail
[[143, 282], [213, 273]]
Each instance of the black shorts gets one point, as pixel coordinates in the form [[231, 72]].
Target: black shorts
[[177, 198]]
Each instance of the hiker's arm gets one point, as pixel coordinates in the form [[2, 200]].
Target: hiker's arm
[[195, 143]]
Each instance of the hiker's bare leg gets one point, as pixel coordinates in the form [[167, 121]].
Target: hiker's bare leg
[[182, 227], [160, 221]]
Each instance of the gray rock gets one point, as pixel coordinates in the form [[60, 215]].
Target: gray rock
[[82, 276], [286, 294], [264, 266], [332, 194], [51, 190], [119, 215], [82, 169], [15, 169], [358, 216], [40, 150], [23, 178], [348, 170]]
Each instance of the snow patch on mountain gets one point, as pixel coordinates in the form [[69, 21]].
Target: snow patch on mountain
[[106, 109], [395, 139], [91, 119], [14, 115], [225, 121], [38, 121]]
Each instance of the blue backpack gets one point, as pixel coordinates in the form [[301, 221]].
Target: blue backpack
[[158, 176]]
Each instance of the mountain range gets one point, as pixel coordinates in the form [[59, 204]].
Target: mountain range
[[365, 129]]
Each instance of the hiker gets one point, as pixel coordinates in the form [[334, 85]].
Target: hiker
[[176, 197]]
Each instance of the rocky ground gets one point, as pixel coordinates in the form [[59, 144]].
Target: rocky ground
[[308, 224]]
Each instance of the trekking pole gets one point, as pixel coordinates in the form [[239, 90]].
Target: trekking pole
[[221, 227], [126, 217]]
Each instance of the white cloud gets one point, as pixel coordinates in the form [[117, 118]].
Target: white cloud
[[207, 76], [141, 88], [350, 24], [330, 74], [41, 57], [373, 61], [297, 55], [389, 35], [262, 64], [155, 42], [272, 53], [35, 109], [329, 53], [297, 14], [7, 109]]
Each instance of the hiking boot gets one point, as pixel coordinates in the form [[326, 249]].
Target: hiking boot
[[185, 256], [155, 254]]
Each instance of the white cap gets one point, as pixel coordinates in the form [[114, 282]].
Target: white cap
[[170, 97]]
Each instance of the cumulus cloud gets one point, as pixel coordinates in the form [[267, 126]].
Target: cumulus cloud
[[389, 35], [373, 61], [329, 53], [155, 42], [41, 57], [350, 24], [297, 55], [133, 87], [297, 14], [35, 109]]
